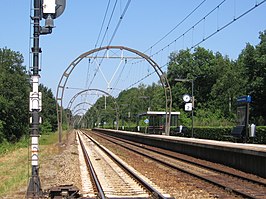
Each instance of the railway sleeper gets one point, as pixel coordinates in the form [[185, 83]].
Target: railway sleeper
[[71, 192], [64, 192]]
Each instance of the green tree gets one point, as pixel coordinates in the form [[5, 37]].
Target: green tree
[[48, 112], [46, 127], [216, 81], [253, 60], [104, 110], [140, 99], [156, 96], [14, 96], [130, 103], [198, 66], [228, 86]]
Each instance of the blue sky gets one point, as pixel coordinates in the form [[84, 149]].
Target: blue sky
[[144, 23]]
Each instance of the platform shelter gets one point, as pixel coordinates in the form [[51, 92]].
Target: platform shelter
[[154, 121]]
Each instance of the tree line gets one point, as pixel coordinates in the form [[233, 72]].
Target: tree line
[[15, 88], [218, 81]]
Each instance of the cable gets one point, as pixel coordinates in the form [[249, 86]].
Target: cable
[[30, 35], [119, 76], [114, 33], [229, 23], [110, 19], [119, 22], [204, 39], [149, 74], [192, 27], [150, 48], [102, 23], [175, 26], [30, 32]]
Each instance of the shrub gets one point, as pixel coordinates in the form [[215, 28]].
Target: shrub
[[222, 134]]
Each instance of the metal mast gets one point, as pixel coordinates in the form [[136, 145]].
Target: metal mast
[[48, 9], [34, 188]]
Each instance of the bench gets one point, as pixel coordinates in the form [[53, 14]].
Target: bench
[[238, 131], [177, 131]]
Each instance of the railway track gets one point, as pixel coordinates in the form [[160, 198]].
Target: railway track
[[240, 184], [110, 177]]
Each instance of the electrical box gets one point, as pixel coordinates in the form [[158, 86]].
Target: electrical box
[[49, 6]]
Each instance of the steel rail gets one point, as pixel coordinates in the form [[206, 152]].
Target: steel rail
[[239, 192], [92, 171], [150, 188], [150, 148]]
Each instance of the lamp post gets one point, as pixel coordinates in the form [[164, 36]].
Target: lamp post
[[192, 100]]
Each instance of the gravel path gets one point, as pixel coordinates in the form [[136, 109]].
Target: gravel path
[[61, 166]]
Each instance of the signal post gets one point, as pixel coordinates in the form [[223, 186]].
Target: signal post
[[49, 10]]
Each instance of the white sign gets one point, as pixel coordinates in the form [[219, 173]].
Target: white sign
[[49, 6], [188, 107]]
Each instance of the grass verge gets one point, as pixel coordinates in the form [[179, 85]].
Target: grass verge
[[15, 165]]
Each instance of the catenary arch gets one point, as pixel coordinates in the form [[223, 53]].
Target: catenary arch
[[71, 67], [72, 110], [72, 100], [79, 104], [77, 120], [60, 109]]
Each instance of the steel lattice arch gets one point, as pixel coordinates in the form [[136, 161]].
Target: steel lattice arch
[[96, 90], [64, 78]]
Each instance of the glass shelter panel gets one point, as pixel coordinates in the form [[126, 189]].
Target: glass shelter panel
[[241, 115]]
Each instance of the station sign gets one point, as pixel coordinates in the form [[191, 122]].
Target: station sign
[[244, 99]]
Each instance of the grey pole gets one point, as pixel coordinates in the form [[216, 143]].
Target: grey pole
[[192, 100], [192, 112]]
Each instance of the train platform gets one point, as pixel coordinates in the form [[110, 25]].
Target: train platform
[[250, 158]]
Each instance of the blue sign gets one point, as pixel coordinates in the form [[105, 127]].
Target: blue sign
[[146, 121], [244, 99]]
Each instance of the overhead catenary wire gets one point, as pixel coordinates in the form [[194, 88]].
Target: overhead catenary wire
[[191, 28], [229, 23], [146, 76], [119, 22], [119, 76], [113, 35], [106, 11], [174, 41], [103, 22], [205, 38], [183, 20], [109, 22]]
